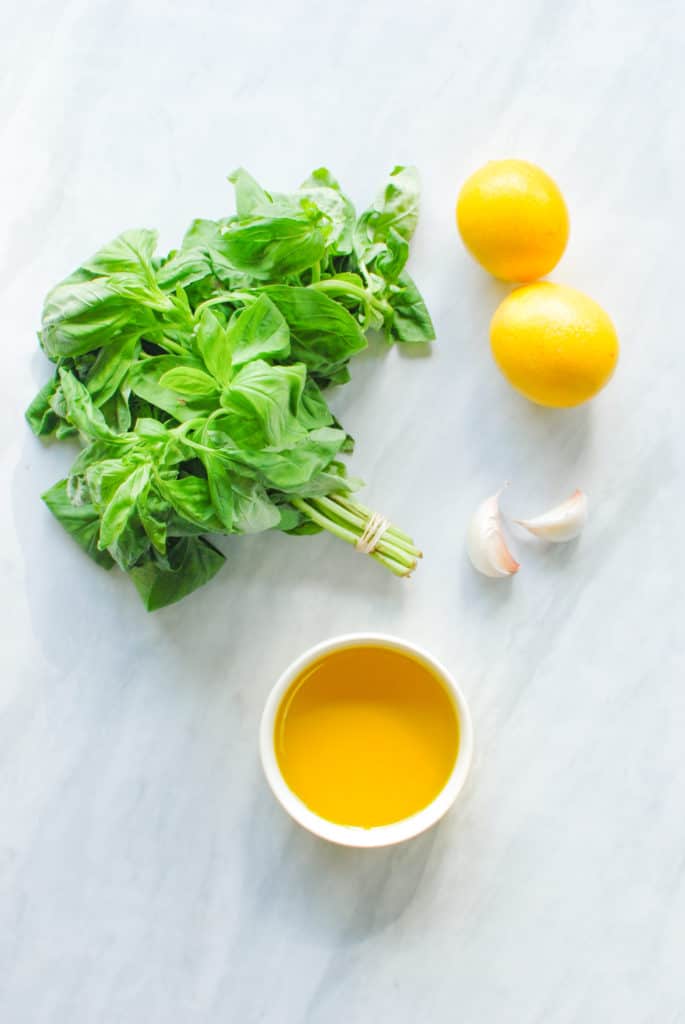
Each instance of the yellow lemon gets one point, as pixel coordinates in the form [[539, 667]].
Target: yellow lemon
[[513, 220], [555, 345]]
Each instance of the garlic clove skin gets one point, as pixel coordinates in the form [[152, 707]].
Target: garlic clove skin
[[561, 523], [485, 542]]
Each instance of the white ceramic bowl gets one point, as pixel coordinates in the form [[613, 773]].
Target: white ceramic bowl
[[381, 835]]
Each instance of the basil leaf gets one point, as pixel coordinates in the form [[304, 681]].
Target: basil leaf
[[314, 411], [189, 382], [274, 246], [220, 488], [151, 429], [323, 335], [65, 430], [206, 236], [145, 381], [104, 476], [81, 521], [82, 316], [396, 207], [411, 320], [323, 190], [253, 510], [262, 405], [139, 289], [202, 234], [191, 499], [250, 197], [291, 470], [117, 412], [213, 345], [114, 288], [81, 411], [258, 332], [190, 563], [321, 178], [391, 261], [130, 252], [112, 365], [122, 505], [184, 268], [40, 415], [131, 545], [153, 512], [97, 452]]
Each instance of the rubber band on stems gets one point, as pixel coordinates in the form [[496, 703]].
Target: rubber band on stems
[[373, 534]]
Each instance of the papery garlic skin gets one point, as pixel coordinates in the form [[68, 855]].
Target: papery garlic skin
[[563, 522], [485, 542]]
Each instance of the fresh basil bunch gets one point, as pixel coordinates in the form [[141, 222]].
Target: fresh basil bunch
[[195, 382]]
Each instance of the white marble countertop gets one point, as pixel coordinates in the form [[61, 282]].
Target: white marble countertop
[[146, 874]]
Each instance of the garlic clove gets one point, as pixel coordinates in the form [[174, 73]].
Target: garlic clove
[[485, 541], [561, 523]]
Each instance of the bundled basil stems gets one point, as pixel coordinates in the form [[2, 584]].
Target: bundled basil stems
[[196, 382]]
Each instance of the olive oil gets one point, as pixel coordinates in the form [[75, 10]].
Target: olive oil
[[366, 736]]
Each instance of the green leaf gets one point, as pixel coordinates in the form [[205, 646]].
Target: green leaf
[[190, 563], [291, 519], [104, 475], [141, 289], [65, 430], [258, 332], [185, 268], [112, 365], [131, 545], [382, 233], [262, 405], [81, 521], [202, 234], [117, 412], [291, 470], [206, 236], [321, 178], [411, 320], [40, 415], [151, 429], [213, 345], [129, 252], [122, 505], [250, 198], [81, 411], [153, 512], [112, 290], [253, 510], [314, 411], [397, 206], [145, 381], [189, 382], [82, 316], [323, 335], [220, 488], [274, 246], [323, 190], [391, 261], [191, 499], [99, 451]]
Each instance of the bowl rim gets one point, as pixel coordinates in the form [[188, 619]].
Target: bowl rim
[[378, 835]]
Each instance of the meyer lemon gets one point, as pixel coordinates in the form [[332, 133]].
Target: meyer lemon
[[554, 344], [513, 220]]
